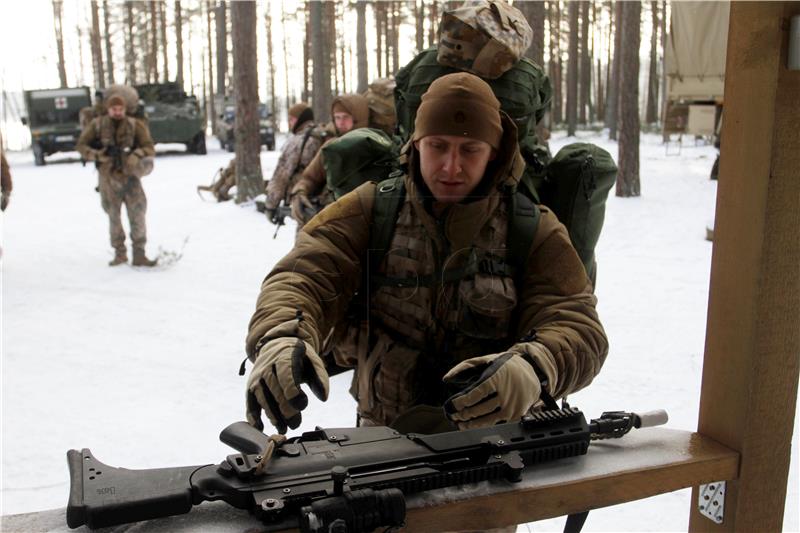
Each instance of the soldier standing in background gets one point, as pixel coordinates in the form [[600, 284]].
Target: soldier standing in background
[[297, 153], [5, 182], [123, 152], [350, 112]]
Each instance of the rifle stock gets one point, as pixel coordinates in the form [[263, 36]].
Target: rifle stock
[[325, 475]]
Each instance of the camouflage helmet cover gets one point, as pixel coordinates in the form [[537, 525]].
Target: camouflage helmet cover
[[483, 37]]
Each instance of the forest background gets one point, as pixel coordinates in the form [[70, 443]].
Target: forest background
[[52, 43]]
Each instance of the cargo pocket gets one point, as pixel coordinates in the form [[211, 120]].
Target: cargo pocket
[[487, 303]]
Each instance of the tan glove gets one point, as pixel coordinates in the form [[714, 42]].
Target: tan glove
[[283, 363], [5, 197], [301, 207], [497, 388]]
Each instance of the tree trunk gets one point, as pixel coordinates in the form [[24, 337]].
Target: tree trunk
[[534, 13], [212, 111], [221, 20], [612, 102], [57, 21], [585, 65], [396, 21], [97, 49], [109, 49], [307, 55], [555, 62], [377, 11], [154, 41], [600, 105], [249, 181], [572, 70], [329, 32], [651, 111], [289, 101], [419, 21], [270, 63], [628, 158], [162, 14], [434, 26], [179, 43], [130, 58], [361, 46], [321, 82], [665, 136]]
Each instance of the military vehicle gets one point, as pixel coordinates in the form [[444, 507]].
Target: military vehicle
[[223, 128], [54, 119], [173, 116]]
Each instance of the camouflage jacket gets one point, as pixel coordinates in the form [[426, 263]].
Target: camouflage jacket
[[114, 145], [410, 335], [297, 153]]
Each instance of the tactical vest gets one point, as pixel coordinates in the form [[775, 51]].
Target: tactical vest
[[430, 307]]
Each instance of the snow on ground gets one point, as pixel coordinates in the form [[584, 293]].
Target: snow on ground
[[141, 366]]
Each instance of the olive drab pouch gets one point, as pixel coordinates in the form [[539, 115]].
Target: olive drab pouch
[[483, 37], [358, 156], [576, 188], [380, 99]]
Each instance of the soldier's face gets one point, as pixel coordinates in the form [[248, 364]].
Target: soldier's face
[[452, 167], [343, 121], [116, 112], [292, 122]]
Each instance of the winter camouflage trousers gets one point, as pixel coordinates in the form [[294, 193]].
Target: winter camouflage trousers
[[114, 193]]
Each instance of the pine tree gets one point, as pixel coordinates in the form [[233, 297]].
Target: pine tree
[[612, 101], [361, 46], [57, 21], [651, 110], [97, 52], [109, 49], [572, 70], [628, 158], [179, 43], [130, 60], [221, 20], [249, 181]]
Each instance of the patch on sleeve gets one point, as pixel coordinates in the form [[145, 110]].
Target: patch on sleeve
[[348, 205], [557, 261]]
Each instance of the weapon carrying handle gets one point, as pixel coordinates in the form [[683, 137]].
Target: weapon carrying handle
[[244, 438]]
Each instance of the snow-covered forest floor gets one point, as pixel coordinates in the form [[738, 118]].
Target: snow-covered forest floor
[[141, 366]]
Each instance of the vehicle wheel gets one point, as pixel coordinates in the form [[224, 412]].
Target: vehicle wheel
[[271, 146], [200, 144], [38, 155]]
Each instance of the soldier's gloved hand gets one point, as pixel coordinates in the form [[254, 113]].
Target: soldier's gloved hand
[[283, 363], [300, 206], [270, 213], [495, 389], [5, 197], [93, 154]]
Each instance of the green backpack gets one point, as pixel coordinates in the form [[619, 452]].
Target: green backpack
[[524, 93], [358, 156], [576, 187]]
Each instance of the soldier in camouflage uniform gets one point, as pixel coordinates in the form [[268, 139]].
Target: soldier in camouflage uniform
[[349, 112], [296, 155], [5, 182], [123, 152], [445, 302]]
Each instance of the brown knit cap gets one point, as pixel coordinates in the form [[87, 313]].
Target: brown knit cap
[[460, 104], [297, 109], [115, 100]]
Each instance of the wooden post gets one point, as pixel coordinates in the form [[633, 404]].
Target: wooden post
[[750, 374]]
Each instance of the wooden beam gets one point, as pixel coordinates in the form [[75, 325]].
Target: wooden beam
[[642, 464], [750, 373]]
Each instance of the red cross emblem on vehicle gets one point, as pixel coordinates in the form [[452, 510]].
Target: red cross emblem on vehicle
[[61, 102]]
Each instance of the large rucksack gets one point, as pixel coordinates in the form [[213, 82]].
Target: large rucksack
[[358, 156], [380, 99], [524, 93]]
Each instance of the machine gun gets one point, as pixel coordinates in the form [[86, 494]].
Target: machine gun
[[344, 480]]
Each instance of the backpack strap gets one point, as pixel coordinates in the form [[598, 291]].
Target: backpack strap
[[389, 196], [523, 222]]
